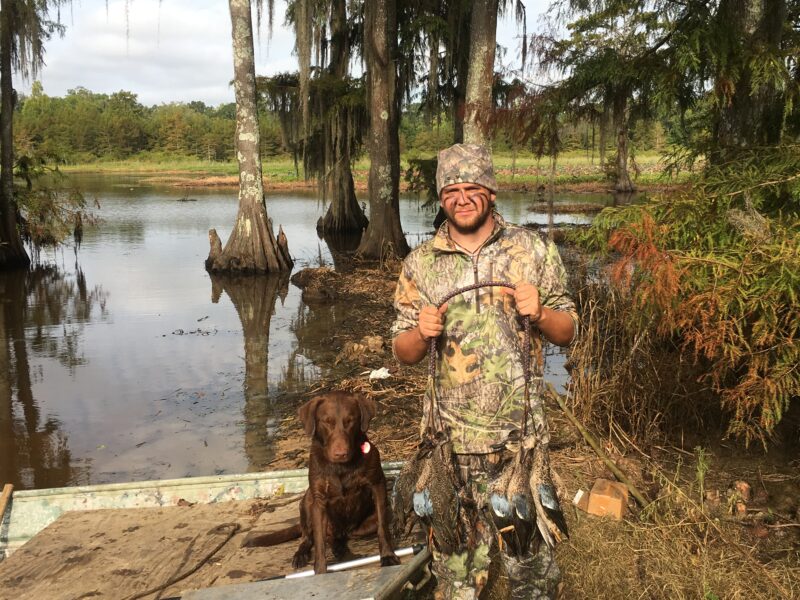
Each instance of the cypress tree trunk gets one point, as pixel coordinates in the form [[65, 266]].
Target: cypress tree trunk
[[344, 213], [459, 24], [478, 109], [252, 246], [384, 235], [623, 183], [753, 116], [603, 135], [12, 251], [433, 78]]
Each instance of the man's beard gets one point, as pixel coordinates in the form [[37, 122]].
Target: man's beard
[[473, 224]]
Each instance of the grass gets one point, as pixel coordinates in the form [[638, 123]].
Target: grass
[[572, 168], [682, 548], [149, 165]]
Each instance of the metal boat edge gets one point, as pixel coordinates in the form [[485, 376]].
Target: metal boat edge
[[30, 511]]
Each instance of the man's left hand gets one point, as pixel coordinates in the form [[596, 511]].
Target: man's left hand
[[526, 297]]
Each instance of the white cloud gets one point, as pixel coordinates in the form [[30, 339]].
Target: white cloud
[[175, 50]]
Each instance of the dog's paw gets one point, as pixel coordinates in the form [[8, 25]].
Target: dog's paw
[[251, 540], [340, 549], [388, 561], [300, 559]]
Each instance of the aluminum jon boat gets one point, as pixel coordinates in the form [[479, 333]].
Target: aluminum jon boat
[[65, 542]]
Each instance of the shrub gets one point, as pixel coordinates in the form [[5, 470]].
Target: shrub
[[716, 271]]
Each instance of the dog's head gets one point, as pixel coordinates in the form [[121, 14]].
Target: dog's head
[[337, 420]]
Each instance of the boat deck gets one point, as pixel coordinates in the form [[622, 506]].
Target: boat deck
[[136, 552]]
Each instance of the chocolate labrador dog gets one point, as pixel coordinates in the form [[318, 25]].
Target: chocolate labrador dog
[[346, 493]]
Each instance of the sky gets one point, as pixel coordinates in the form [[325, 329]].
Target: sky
[[174, 50]]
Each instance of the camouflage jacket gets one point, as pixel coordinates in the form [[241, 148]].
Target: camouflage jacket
[[479, 379]]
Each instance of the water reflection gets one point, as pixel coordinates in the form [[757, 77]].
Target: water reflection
[[339, 245], [623, 198], [254, 299], [34, 448], [160, 388]]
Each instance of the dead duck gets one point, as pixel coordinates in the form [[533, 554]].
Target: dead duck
[[511, 504], [435, 498], [549, 518]]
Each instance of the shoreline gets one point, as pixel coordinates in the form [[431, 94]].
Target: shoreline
[[574, 174], [189, 180]]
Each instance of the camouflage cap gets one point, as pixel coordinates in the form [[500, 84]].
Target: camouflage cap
[[465, 163]]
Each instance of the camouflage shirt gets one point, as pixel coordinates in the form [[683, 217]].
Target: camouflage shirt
[[479, 371]]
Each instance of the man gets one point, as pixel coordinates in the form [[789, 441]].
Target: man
[[480, 387]]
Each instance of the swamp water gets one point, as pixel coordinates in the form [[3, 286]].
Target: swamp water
[[125, 361]]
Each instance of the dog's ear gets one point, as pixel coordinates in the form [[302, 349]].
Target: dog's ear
[[367, 406], [308, 414]]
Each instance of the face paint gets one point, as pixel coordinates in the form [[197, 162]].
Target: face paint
[[467, 206]]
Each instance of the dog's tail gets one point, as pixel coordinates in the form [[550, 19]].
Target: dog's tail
[[272, 538]]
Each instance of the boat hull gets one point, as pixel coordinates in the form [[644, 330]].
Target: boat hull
[[30, 511]]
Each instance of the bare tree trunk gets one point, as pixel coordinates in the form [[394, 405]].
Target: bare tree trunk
[[344, 213], [303, 34], [459, 25], [384, 235], [251, 247], [624, 183], [433, 79], [753, 116], [459, 99], [603, 135], [12, 251], [478, 109]]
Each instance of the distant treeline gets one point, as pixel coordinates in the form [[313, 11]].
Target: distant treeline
[[418, 135], [84, 126]]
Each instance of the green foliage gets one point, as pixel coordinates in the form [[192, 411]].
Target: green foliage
[[421, 178], [49, 214], [718, 269], [708, 594], [85, 127], [50, 217]]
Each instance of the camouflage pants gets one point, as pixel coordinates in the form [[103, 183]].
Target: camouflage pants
[[485, 571]]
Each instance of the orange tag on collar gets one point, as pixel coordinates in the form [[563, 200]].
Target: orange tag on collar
[[365, 448]]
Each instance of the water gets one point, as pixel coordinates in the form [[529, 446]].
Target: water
[[127, 362]]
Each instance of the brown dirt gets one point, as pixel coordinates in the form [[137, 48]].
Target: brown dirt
[[368, 291]]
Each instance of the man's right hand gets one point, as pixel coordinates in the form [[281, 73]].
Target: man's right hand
[[431, 321], [411, 346]]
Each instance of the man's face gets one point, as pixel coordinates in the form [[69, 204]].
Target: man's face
[[467, 206]]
